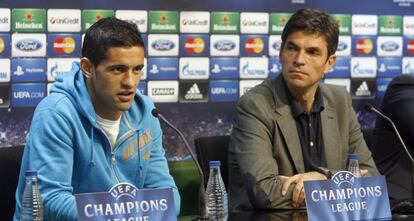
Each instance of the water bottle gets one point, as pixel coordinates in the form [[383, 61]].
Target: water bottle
[[353, 164], [217, 208], [32, 208]]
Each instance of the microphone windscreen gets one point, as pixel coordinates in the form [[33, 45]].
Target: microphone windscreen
[[368, 107], [155, 112]]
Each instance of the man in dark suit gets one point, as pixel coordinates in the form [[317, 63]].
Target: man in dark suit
[[391, 159], [292, 128]]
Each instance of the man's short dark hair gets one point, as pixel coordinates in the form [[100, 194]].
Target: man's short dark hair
[[313, 21], [109, 32]]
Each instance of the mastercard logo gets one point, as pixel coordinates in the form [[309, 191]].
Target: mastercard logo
[[64, 45], [364, 46], [2, 45], [410, 46], [194, 45], [254, 45]]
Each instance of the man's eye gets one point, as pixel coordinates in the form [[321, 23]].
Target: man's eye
[[117, 69]]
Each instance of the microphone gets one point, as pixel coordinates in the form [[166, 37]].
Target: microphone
[[371, 108], [201, 193], [405, 206]]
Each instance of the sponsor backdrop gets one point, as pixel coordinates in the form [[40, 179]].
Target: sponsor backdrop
[[201, 55]]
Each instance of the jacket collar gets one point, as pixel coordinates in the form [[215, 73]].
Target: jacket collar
[[287, 126]]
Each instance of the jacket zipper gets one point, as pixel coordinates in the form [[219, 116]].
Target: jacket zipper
[[116, 146]]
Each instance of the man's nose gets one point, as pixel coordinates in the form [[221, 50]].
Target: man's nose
[[299, 57]]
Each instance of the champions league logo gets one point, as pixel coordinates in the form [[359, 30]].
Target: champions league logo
[[356, 195], [346, 197], [125, 202]]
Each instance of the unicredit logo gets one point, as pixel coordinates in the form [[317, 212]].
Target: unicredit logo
[[224, 45], [194, 22], [253, 23], [163, 45], [389, 46], [365, 25], [64, 21], [342, 46], [29, 45], [4, 20]]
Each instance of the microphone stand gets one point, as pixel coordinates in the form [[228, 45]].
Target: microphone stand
[[202, 190], [404, 206]]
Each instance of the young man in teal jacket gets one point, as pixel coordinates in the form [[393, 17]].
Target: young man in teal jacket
[[95, 129]]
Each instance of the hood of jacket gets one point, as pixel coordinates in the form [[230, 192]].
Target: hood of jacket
[[73, 86]]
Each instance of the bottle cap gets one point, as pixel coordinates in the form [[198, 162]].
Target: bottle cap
[[31, 173], [214, 163], [353, 156]]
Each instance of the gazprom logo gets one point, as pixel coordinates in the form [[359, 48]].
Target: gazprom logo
[[28, 45], [359, 70], [389, 46], [163, 45], [224, 45], [248, 70], [187, 71], [342, 46]]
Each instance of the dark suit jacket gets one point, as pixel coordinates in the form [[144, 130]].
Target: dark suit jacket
[[265, 143], [391, 159]]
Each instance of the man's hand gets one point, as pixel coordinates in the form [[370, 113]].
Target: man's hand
[[298, 194], [364, 172]]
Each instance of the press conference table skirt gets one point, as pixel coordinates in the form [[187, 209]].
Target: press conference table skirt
[[287, 215]]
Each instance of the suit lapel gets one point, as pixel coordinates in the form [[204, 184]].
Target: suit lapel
[[331, 138], [287, 126]]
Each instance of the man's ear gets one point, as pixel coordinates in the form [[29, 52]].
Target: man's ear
[[330, 63], [87, 67]]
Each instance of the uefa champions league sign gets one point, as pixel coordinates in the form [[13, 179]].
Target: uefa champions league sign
[[346, 197], [125, 202]]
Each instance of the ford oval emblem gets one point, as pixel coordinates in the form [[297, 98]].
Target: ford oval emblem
[[342, 46], [224, 45], [29, 45], [276, 45], [389, 46], [163, 45]]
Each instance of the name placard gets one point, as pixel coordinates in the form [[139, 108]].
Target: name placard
[[125, 202], [346, 197]]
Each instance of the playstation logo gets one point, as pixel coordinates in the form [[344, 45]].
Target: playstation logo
[[19, 71]]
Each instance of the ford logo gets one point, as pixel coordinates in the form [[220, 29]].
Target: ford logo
[[29, 45], [342, 46], [389, 46], [224, 45], [276, 45], [163, 45]]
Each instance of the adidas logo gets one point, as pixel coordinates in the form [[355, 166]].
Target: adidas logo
[[363, 90], [193, 93]]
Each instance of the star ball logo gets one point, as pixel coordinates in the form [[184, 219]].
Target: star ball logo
[[194, 45], [64, 45]]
